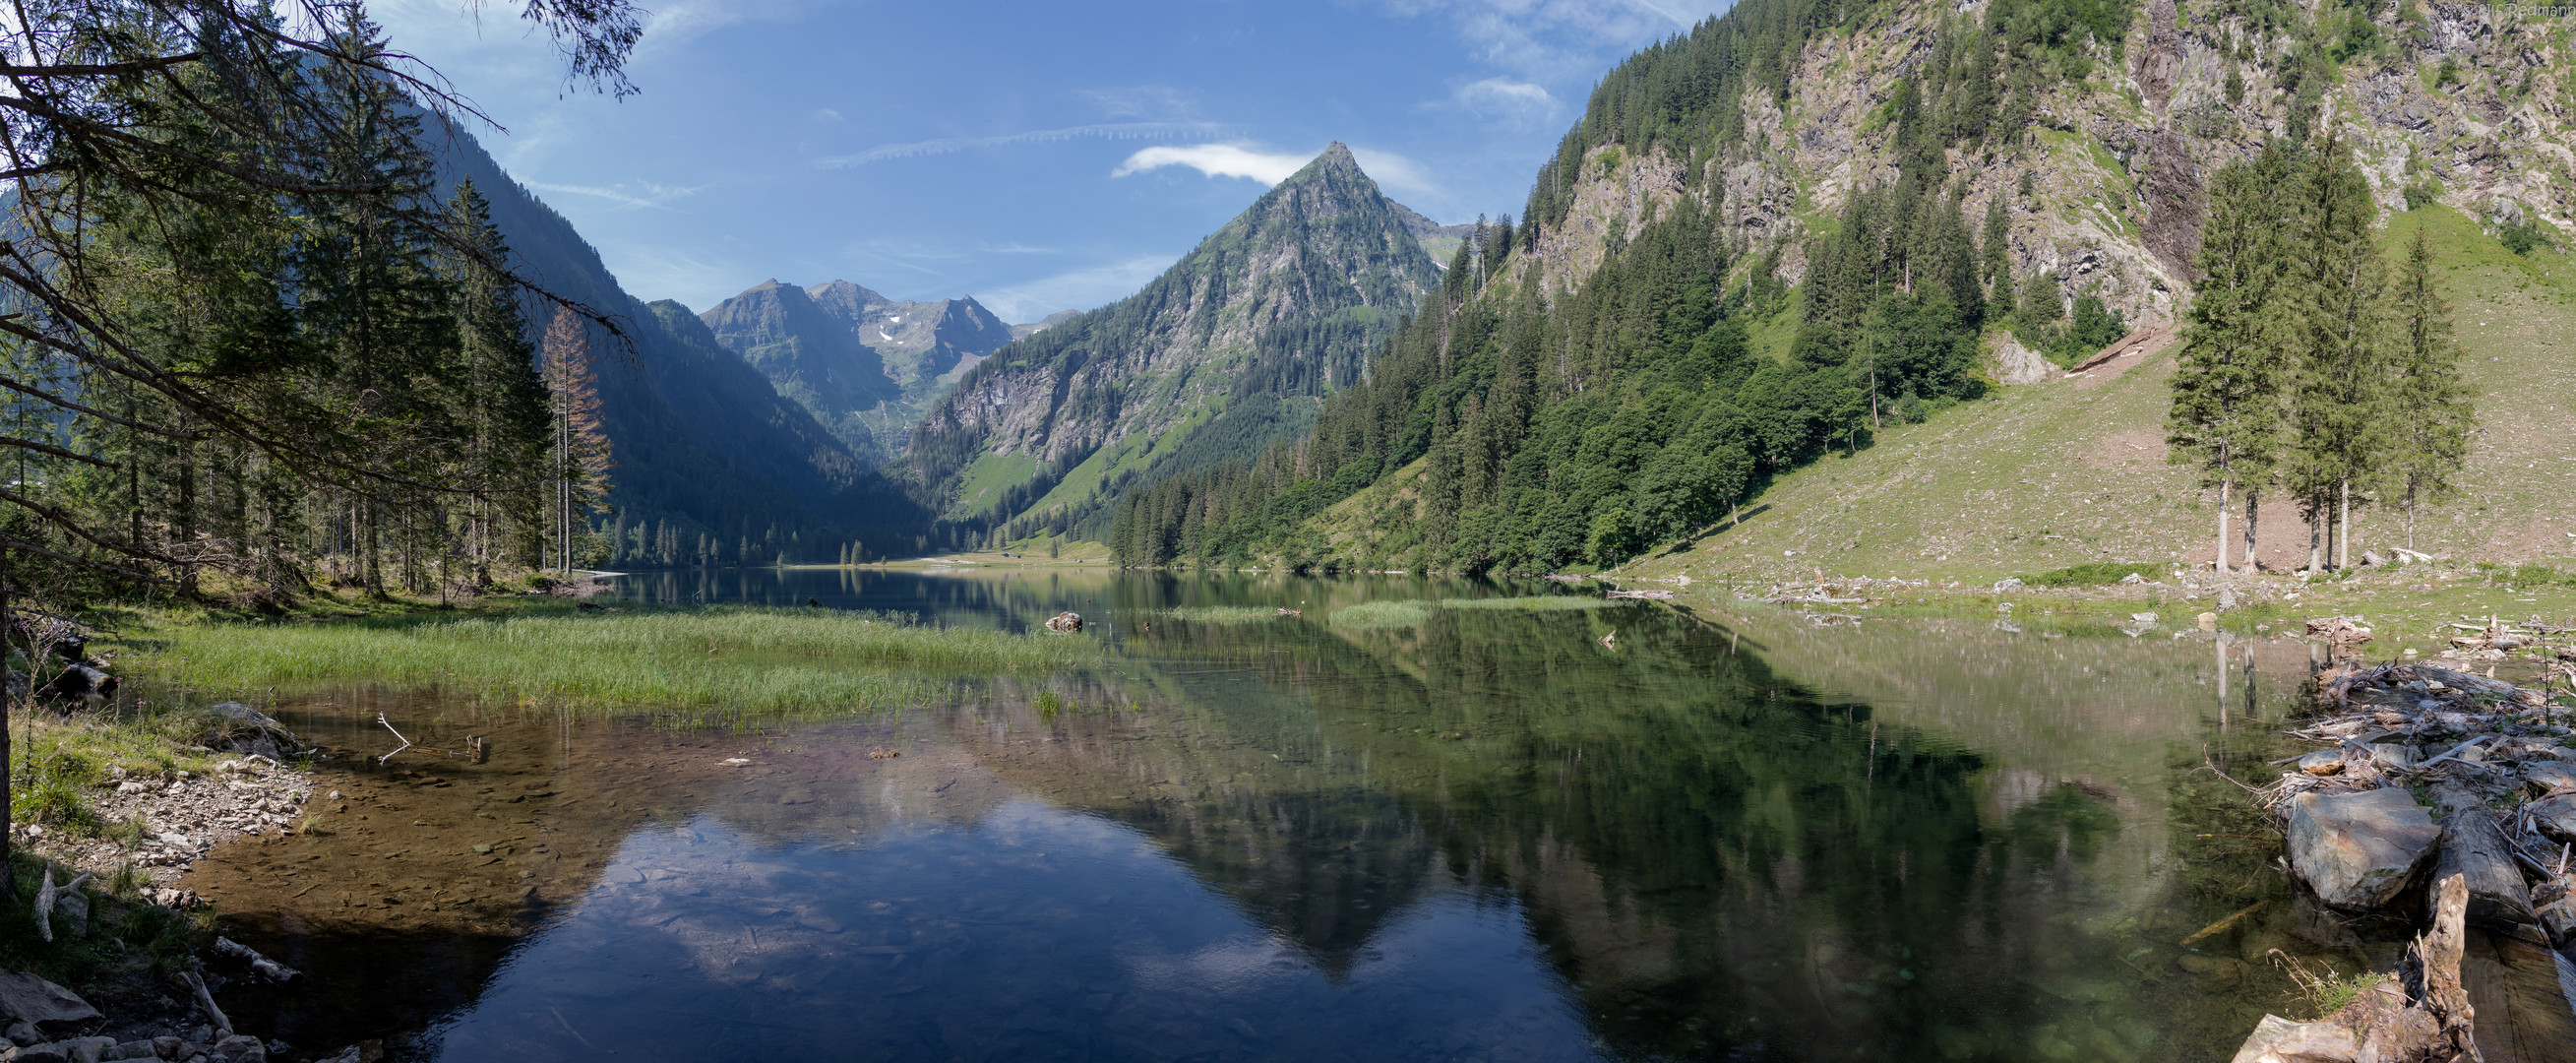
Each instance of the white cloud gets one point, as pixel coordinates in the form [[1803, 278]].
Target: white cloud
[[1394, 172], [1505, 98], [1216, 160], [1106, 131], [828, 115], [1080, 289], [653, 196], [1391, 171], [1559, 42]]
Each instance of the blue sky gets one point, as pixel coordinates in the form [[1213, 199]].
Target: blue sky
[[1038, 156]]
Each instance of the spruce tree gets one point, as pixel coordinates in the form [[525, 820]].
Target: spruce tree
[[2337, 331], [2226, 385], [2428, 411], [498, 396]]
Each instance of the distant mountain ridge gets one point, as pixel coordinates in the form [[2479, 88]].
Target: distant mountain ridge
[[861, 363], [702, 441]]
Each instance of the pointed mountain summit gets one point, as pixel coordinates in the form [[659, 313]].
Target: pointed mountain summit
[[1226, 352]]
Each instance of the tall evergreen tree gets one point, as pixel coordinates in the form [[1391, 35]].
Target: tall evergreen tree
[[2225, 416], [2428, 410], [498, 396], [2337, 329]]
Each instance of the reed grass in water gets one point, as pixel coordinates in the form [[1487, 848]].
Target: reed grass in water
[[751, 658]]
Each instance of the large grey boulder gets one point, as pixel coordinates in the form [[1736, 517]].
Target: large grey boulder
[[2357, 849]]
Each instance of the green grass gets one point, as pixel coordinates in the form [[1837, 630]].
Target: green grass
[[1412, 612], [2097, 574], [767, 660], [1541, 603], [1382, 614], [1223, 614]]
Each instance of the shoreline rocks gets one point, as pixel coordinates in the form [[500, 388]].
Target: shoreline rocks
[[2358, 849]]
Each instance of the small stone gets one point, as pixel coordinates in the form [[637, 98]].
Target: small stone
[[133, 1050], [2322, 762], [2206, 619], [87, 1049], [2226, 598], [2143, 618], [168, 1047], [23, 1032], [2008, 583], [335, 795], [44, 1053], [240, 1048], [483, 850], [2394, 755], [2358, 849]]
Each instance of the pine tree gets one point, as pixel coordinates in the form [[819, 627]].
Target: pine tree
[[2226, 385], [2337, 333], [2429, 415]]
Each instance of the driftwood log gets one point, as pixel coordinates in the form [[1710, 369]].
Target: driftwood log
[[268, 968], [68, 897], [206, 1002], [2425, 1019]]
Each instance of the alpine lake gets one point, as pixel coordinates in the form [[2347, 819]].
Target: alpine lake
[[1421, 818]]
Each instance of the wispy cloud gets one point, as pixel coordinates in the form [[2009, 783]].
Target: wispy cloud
[[1388, 169], [1394, 172], [1104, 130], [1216, 160], [1080, 289], [1558, 41], [1504, 98], [654, 197]]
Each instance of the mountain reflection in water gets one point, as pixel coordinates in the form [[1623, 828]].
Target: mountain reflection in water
[[1480, 835]]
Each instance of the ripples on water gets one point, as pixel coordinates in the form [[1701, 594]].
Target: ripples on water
[[1485, 835]]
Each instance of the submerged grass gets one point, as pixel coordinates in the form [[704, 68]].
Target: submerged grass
[[1539, 603], [1412, 612], [746, 658], [1224, 614], [1382, 614]]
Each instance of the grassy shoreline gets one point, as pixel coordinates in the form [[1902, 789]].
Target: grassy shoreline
[[741, 657]]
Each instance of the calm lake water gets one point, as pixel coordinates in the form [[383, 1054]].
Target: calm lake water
[[1395, 826]]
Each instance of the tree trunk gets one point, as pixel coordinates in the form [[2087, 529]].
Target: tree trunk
[[2316, 533], [2253, 508], [2343, 525], [2225, 488], [8, 628]]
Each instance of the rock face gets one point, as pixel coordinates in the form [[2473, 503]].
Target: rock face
[[2358, 849], [861, 363], [1231, 346]]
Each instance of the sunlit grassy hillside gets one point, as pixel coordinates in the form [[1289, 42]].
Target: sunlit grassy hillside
[[2074, 470]]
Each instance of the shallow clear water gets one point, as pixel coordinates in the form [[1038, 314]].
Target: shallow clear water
[[1396, 833]]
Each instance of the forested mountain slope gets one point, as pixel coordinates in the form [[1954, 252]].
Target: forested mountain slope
[[704, 446], [861, 363], [1224, 353], [1804, 223]]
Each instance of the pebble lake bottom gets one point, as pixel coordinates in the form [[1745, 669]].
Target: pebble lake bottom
[[1422, 818]]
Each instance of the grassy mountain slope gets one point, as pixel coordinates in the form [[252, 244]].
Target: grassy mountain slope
[[2073, 470], [1221, 355]]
